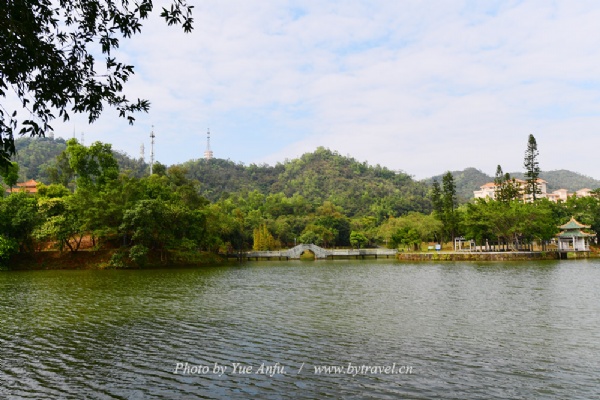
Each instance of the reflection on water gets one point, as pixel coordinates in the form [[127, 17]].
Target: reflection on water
[[462, 330]]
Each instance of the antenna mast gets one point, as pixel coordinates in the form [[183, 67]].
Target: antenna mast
[[142, 153], [152, 136]]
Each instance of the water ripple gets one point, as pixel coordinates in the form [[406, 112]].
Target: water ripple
[[467, 330]]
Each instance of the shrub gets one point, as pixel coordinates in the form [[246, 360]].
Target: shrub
[[8, 247]]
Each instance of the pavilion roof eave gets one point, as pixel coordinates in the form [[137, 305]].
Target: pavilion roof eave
[[574, 234], [573, 224]]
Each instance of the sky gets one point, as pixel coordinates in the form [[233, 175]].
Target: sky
[[422, 87]]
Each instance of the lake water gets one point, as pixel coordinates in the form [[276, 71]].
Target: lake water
[[326, 329]]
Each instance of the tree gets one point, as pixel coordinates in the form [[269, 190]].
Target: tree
[[449, 204], [409, 237], [52, 191], [507, 188], [264, 240], [59, 171], [8, 247], [498, 178], [47, 57], [532, 168], [95, 166], [332, 219], [62, 223], [511, 223], [317, 234], [358, 239], [428, 228], [164, 226], [19, 218], [436, 198], [10, 174]]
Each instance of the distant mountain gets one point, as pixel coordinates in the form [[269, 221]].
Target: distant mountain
[[563, 179], [470, 179], [34, 155], [466, 182]]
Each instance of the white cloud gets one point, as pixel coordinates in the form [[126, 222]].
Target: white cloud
[[422, 87]]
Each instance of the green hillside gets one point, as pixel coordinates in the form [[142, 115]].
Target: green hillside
[[358, 188], [35, 155], [220, 177]]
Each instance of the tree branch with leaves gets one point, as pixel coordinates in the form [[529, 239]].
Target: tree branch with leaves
[[48, 60]]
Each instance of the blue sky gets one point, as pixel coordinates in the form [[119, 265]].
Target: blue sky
[[418, 86]]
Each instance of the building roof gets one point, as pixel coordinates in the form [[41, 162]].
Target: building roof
[[29, 187], [574, 224], [29, 183], [517, 180], [573, 228]]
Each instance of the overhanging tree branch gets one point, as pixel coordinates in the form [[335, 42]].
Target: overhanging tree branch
[[47, 58]]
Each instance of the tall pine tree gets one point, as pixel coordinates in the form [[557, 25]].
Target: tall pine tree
[[436, 198], [449, 204], [532, 169]]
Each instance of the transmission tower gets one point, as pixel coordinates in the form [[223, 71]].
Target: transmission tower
[[208, 154], [142, 153], [152, 136]]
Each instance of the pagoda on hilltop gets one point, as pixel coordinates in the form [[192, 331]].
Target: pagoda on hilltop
[[573, 238]]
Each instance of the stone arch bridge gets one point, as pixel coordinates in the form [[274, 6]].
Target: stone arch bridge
[[320, 253], [296, 252]]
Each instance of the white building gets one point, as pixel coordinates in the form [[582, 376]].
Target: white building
[[489, 191]]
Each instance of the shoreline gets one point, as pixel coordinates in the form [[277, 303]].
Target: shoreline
[[496, 256], [101, 259]]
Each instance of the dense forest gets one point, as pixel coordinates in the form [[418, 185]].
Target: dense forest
[[94, 194]]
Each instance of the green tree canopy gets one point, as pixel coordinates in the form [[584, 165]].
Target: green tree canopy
[[94, 165], [10, 174]]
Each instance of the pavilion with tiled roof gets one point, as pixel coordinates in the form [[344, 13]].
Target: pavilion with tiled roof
[[573, 237]]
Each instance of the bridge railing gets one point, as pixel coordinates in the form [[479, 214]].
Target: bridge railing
[[267, 254], [327, 252]]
